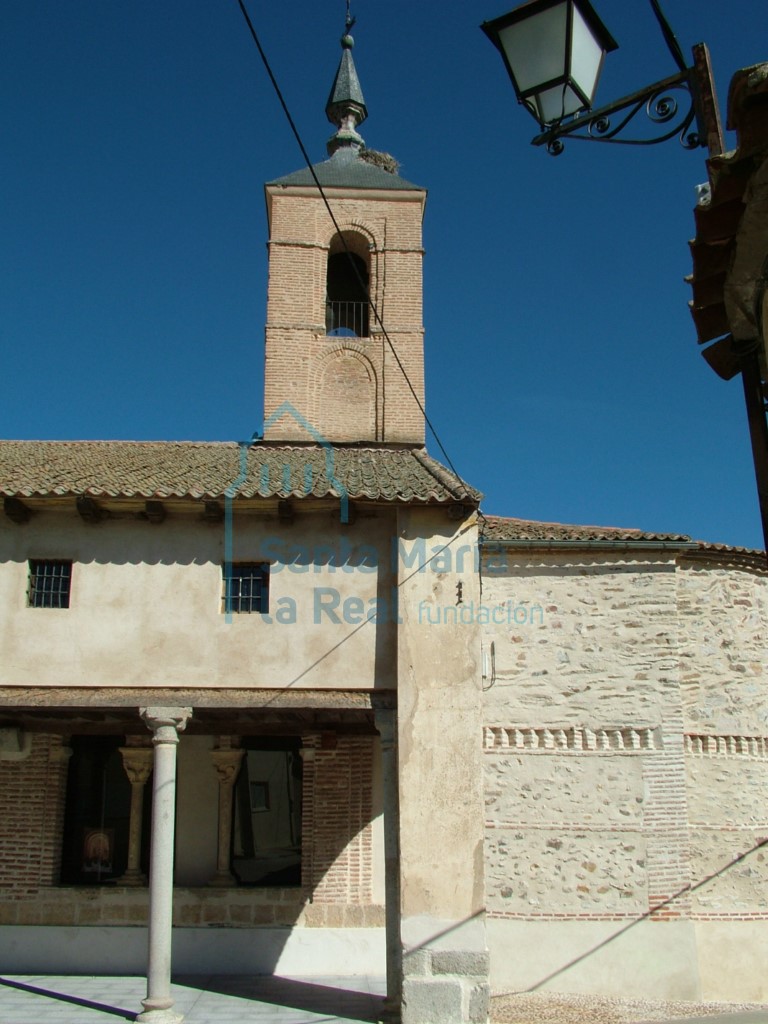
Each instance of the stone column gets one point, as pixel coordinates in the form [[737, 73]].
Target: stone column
[[387, 727], [227, 764], [166, 724], [137, 762]]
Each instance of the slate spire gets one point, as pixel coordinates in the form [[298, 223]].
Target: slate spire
[[346, 107]]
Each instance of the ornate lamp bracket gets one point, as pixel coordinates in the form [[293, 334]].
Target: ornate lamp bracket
[[659, 103], [682, 105]]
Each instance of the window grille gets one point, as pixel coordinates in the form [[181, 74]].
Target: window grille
[[347, 283], [49, 584], [246, 587], [347, 319]]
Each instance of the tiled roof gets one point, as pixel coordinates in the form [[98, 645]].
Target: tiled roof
[[346, 170], [498, 528], [167, 469], [727, 554]]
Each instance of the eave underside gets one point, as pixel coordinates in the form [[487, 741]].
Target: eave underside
[[220, 711]]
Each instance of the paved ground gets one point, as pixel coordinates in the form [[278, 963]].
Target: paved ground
[[40, 999]]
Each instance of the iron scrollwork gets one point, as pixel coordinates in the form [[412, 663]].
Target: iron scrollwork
[[662, 110]]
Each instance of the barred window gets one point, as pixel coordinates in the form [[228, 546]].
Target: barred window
[[49, 583], [246, 587]]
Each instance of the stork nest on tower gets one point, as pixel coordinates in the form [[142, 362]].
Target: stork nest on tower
[[384, 160]]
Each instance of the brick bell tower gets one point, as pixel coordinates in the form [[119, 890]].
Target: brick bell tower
[[326, 352]]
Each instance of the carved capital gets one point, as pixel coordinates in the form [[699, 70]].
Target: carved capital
[[227, 765], [137, 762], [60, 755]]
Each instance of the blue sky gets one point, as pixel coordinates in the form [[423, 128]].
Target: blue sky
[[562, 368]]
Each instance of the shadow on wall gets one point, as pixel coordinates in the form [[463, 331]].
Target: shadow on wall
[[655, 912]]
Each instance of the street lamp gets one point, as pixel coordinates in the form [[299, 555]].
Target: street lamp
[[553, 51]]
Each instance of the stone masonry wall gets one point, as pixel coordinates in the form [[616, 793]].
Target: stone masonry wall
[[586, 812], [586, 641], [723, 660], [564, 834], [626, 738], [728, 800], [723, 648]]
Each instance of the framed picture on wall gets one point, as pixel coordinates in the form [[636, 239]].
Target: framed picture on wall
[[97, 850]]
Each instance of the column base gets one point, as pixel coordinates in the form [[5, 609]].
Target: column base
[[390, 1013], [159, 1011], [224, 880], [136, 878]]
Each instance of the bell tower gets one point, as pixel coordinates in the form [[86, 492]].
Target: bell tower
[[340, 285]]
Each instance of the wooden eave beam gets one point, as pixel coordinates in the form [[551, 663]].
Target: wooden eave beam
[[16, 510], [154, 511], [88, 509]]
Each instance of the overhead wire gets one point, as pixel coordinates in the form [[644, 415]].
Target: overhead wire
[[361, 282]]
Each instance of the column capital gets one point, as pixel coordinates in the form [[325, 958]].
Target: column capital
[[165, 722], [60, 755], [137, 762], [227, 764]]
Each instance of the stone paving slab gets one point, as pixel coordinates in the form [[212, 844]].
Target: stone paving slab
[[40, 999]]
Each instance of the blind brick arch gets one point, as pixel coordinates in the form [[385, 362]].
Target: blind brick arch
[[345, 396]]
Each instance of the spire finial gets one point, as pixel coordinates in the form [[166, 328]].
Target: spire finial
[[347, 42], [346, 107]]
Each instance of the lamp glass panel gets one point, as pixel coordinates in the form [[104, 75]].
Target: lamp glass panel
[[536, 47], [586, 56], [556, 103]]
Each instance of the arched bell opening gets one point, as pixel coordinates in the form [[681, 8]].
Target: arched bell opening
[[347, 307]]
